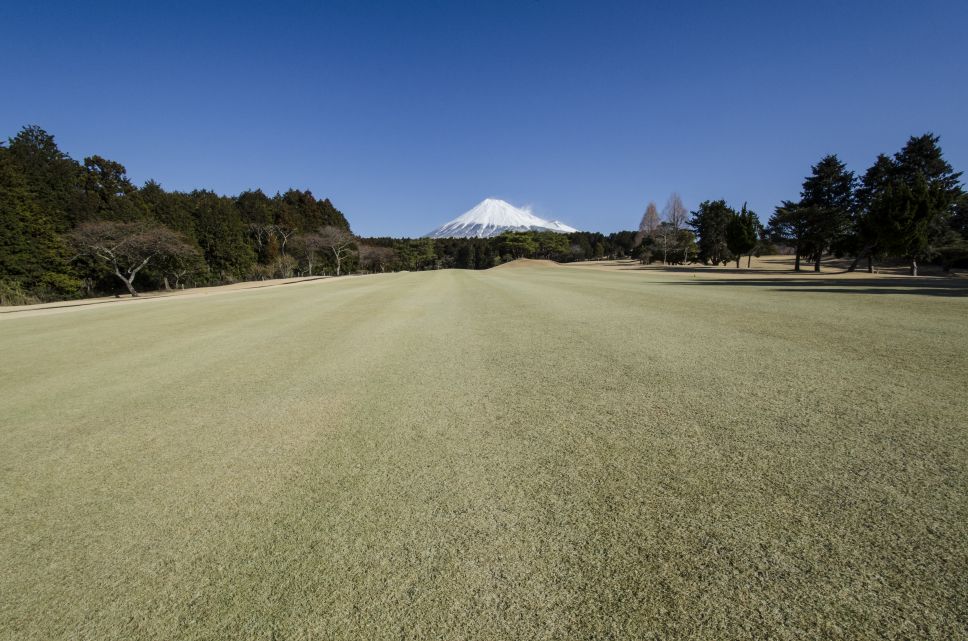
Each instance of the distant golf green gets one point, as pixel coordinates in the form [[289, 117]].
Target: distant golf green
[[533, 453]]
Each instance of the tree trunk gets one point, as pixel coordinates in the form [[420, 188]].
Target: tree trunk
[[749, 261], [737, 261], [167, 286], [866, 252], [914, 266], [796, 265], [870, 263], [127, 283], [816, 265]]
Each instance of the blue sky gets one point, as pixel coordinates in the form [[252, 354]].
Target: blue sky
[[407, 114]]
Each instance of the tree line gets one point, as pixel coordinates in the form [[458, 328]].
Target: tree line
[[70, 229], [416, 254], [909, 206]]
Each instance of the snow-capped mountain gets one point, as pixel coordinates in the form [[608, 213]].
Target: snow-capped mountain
[[492, 217]]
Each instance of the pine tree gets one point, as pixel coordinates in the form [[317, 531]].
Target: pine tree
[[827, 199]]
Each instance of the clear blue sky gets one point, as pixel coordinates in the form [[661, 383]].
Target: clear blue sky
[[407, 114]]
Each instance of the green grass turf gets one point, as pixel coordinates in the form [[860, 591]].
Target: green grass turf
[[535, 453]]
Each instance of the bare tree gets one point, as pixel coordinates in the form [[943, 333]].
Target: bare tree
[[263, 233], [284, 266], [339, 241], [260, 234], [308, 247], [127, 248], [180, 265], [649, 223], [284, 233], [373, 257], [676, 214], [664, 234]]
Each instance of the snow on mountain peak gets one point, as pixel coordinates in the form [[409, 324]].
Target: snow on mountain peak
[[491, 217]]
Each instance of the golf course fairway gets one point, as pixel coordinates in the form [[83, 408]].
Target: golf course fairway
[[540, 452]]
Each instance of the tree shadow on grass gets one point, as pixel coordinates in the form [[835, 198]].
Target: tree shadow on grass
[[923, 286]]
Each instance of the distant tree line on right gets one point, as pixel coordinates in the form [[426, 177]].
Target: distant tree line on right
[[910, 206]]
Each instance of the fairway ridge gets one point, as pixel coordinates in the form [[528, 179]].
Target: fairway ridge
[[517, 453]]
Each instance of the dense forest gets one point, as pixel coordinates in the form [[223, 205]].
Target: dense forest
[[70, 229]]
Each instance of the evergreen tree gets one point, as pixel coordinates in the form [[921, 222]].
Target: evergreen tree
[[170, 209], [463, 258], [827, 202], [916, 206], [53, 179], [109, 193], [517, 244], [254, 208], [788, 226], [330, 216], [31, 251], [221, 236], [864, 235], [741, 233], [710, 221], [959, 217]]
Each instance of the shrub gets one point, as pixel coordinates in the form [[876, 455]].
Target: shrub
[[12, 293]]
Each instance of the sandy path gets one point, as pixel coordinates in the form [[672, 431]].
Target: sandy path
[[182, 294]]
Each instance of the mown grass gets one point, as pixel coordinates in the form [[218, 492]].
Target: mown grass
[[540, 453]]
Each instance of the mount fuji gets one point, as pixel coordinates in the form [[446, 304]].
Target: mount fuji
[[492, 217]]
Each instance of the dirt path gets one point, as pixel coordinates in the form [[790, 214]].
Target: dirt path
[[181, 294]]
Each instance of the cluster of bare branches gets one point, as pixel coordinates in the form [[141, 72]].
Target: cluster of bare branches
[[335, 241], [375, 258], [338, 241], [665, 229], [127, 248], [263, 233]]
